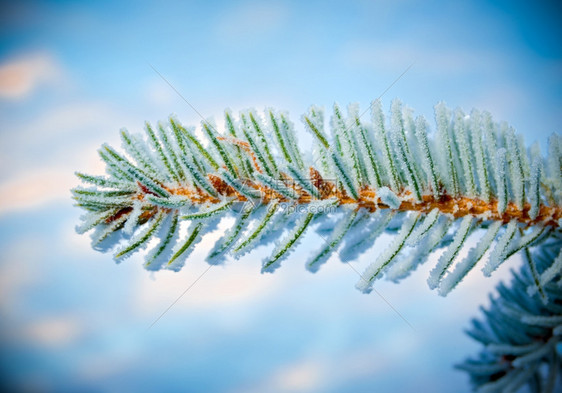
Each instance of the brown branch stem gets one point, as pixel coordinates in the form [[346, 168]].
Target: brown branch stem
[[456, 206]]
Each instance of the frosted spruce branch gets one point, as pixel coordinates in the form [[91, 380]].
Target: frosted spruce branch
[[519, 331], [470, 179]]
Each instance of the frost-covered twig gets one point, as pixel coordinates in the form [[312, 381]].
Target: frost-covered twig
[[471, 174], [520, 334]]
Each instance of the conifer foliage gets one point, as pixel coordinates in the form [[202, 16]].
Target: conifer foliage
[[470, 178], [520, 331]]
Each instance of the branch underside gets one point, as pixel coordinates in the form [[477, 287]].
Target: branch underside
[[472, 171], [456, 207]]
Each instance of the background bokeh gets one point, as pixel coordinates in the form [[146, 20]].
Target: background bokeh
[[73, 73]]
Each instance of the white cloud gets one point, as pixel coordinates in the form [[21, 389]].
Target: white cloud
[[86, 119], [230, 285], [17, 274], [99, 366], [40, 186], [313, 373], [504, 101], [38, 158], [53, 331], [157, 92], [304, 376], [251, 20], [396, 55], [21, 76], [36, 188]]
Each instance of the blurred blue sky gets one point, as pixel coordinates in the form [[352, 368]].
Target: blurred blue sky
[[73, 73]]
